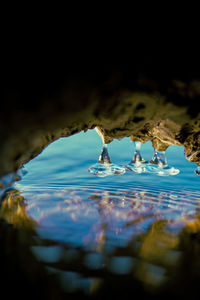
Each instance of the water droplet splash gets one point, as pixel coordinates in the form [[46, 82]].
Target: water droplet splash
[[197, 171], [158, 165], [137, 165], [104, 167]]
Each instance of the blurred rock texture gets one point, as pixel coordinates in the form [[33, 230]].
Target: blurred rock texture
[[147, 96]]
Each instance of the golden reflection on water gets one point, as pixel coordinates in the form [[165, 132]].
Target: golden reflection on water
[[13, 210], [152, 255]]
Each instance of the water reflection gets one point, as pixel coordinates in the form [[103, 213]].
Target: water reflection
[[13, 209], [124, 233], [88, 217]]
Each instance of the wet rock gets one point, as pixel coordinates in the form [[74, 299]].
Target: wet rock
[[190, 138], [139, 99], [159, 145]]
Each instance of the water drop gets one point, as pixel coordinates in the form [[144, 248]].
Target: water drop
[[137, 164], [104, 166], [158, 165], [197, 171]]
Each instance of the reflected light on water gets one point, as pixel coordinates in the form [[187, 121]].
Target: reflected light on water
[[86, 227]]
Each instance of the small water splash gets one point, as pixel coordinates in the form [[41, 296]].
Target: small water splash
[[197, 171], [158, 165], [104, 166], [104, 156], [159, 158], [137, 165]]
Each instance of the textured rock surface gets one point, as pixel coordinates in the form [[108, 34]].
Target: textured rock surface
[[146, 98]]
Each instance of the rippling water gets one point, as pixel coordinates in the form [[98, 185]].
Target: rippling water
[[71, 205], [101, 215]]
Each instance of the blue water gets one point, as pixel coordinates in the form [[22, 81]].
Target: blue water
[[71, 205], [66, 162]]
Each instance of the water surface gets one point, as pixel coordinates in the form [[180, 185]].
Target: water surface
[[143, 214], [72, 205]]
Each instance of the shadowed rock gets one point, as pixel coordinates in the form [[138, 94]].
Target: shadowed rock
[[147, 98]]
